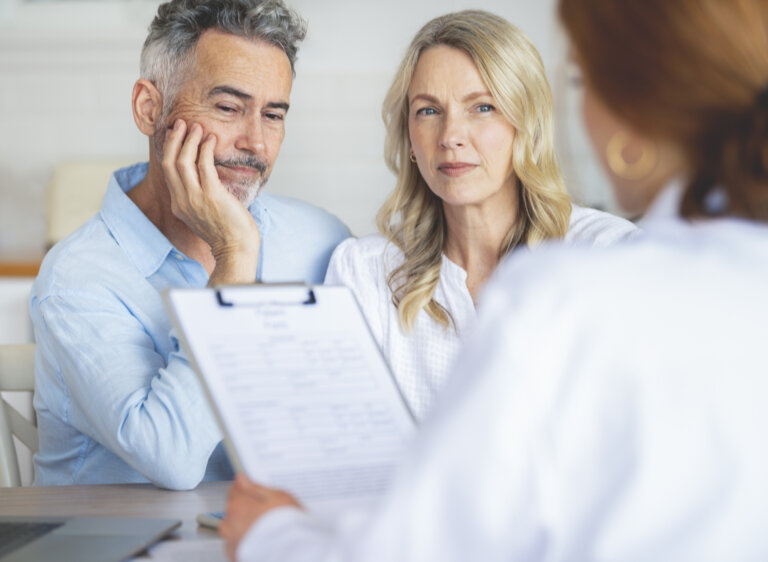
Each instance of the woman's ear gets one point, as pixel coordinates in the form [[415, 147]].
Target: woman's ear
[[147, 103]]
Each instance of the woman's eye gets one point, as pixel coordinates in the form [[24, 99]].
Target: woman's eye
[[485, 108], [426, 111]]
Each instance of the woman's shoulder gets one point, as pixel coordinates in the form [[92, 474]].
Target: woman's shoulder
[[370, 248], [368, 256], [599, 228]]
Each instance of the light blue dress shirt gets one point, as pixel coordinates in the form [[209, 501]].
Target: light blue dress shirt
[[116, 399]]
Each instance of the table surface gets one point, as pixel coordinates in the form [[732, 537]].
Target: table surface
[[120, 500]]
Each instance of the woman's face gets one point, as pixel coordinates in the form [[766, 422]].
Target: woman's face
[[462, 142]]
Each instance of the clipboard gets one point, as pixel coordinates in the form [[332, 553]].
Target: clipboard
[[302, 393]]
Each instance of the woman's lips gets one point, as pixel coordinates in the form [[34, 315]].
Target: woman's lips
[[456, 169]]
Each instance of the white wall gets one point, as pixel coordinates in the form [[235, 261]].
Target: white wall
[[66, 71]]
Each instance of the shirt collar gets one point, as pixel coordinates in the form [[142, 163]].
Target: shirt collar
[[142, 241], [665, 207], [452, 269]]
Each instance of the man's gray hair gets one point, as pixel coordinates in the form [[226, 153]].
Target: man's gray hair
[[166, 57]]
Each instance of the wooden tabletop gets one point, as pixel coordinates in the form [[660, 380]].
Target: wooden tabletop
[[11, 266], [120, 500]]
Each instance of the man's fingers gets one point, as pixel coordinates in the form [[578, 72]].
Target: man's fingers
[[205, 164], [186, 163], [173, 141], [171, 147], [191, 145]]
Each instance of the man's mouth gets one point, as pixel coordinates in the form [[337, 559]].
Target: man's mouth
[[247, 165], [241, 170]]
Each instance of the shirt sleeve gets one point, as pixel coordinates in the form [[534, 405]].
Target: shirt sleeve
[[121, 391], [337, 266], [288, 534]]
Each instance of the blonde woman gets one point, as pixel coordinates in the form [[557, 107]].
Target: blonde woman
[[469, 122]]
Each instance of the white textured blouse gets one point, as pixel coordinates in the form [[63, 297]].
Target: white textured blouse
[[420, 360]]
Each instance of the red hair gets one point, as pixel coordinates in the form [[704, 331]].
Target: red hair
[[693, 72]]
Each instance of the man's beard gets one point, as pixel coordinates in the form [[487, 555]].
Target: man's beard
[[245, 191]]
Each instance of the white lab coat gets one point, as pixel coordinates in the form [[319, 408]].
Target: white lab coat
[[611, 405]]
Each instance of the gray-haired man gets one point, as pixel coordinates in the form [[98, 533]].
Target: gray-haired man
[[116, 400]]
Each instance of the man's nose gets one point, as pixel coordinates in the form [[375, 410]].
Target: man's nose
[[454, 133], [251, 137]]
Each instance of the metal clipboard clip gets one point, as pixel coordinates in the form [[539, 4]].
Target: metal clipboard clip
[[245, 296]]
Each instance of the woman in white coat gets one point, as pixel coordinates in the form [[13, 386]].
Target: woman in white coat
[[612, 403], [470, 139]]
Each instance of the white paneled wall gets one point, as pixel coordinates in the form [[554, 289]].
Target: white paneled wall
[[61, 97], [67, 68]]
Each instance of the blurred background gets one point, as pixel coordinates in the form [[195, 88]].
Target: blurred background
[[67, 68]]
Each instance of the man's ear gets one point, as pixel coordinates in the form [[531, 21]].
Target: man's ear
[[147, 103]]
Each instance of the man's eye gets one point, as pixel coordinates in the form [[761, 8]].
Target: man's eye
[[226, 108], [275, 116]]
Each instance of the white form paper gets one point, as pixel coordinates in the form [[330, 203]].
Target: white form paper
[[304, 396]]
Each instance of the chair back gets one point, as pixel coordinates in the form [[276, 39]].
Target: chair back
[[75, 194], [17, 374]]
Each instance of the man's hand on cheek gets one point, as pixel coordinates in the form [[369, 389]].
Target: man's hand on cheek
[[206, 206]]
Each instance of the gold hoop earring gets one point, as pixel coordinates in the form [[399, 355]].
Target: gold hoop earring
[[614, 153], [412, 157]]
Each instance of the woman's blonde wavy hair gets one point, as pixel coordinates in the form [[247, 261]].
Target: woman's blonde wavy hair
[[412, 217]]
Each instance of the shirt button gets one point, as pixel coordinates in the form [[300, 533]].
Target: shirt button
[[178, 256]]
